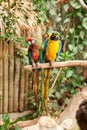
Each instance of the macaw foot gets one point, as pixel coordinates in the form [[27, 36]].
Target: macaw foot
[[33, 64], [37, 63], [50, 63], [46, 112]]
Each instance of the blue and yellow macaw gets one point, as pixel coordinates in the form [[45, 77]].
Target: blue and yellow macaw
[[52, 48]]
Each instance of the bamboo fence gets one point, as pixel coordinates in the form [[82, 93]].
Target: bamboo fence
[[14, 80]]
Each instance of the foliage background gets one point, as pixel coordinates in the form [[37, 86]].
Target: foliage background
[[70, 20]]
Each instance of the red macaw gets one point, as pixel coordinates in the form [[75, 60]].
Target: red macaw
[[34, 55]]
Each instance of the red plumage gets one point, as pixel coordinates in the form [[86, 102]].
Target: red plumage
[[34, 50], [33, 55]]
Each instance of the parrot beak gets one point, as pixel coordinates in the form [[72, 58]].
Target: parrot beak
[[33, 41], [30, 43]]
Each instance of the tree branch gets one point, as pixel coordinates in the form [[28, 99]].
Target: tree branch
[[83, 4], [61, 64]]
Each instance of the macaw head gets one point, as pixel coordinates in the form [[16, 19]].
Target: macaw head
[[31, 41], [54, 36]]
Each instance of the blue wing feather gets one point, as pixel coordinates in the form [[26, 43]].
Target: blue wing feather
[[45, 45], [59, 50], [29, 57]]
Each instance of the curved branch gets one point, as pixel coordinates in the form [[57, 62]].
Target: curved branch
[[62, 64], [84, 6]]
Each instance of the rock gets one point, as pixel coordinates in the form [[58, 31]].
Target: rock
[[34, 127], [67, 124], [45, 123], [70, 111]]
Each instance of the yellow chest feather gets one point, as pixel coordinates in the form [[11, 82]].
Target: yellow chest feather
[[51, 50]]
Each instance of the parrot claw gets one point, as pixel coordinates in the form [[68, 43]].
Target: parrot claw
[[33, 64], [37, 64], [50, 63]]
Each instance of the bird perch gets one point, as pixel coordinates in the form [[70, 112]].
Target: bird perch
[[61, 64]]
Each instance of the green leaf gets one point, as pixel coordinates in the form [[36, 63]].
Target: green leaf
[[75, 49], [85, 42], [85, 55], [66, 7], [67, 20], [79, 14], [16, 128], [62, 91], [48, 5], [2, 128], [84, 23], [72, 91], [52, 12], [82, 34], [79, 27], [58, 19], [75, 5], [80, 46], [55, 71], [71, 30], [69, 73], [66, 101], [70, 47], [52, 2], [58, 95]]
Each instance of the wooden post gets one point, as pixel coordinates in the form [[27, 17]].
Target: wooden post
[[26, 88], [21, 88], [5, 89], [1, 77], [16, 84], [11, 77]]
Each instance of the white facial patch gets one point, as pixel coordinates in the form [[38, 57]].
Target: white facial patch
[[30, 43], [33, 41]]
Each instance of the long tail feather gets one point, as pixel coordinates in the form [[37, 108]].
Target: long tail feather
[[45, 88], [35, 83]]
